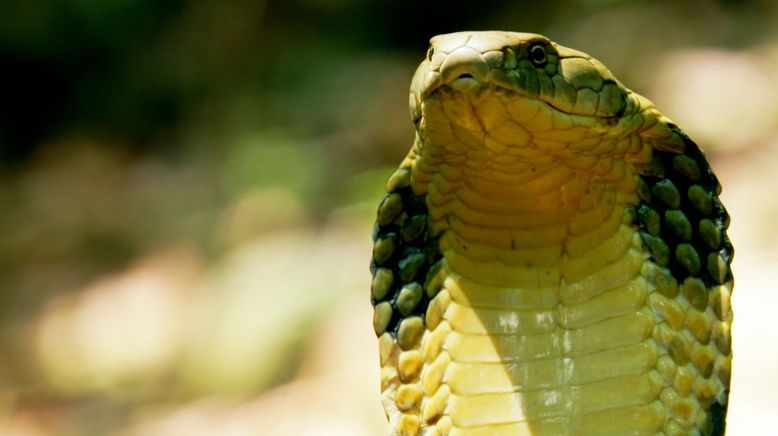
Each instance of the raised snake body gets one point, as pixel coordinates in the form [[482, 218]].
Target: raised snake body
[[550, 257]]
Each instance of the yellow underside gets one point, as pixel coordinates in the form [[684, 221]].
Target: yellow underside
[[550, 320]]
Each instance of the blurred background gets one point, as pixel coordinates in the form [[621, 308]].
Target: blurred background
[[187, 190]]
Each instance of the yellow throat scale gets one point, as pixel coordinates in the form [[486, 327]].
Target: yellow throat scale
[[550, 257]]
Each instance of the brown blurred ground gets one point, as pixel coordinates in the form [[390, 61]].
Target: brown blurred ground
[[187, 193]]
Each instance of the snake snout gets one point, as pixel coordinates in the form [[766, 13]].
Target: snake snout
[[464, 63]]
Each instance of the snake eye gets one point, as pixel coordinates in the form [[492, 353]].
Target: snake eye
[[537, 54]]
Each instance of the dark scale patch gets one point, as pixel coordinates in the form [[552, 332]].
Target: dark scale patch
[[683, 227], [717, 418], [404, 253], [683, 224]]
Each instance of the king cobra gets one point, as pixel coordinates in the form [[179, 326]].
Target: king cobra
[[550, 257]]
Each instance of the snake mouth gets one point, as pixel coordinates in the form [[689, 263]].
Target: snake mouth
[[463, 81], [475, 89], [478, 85], [466, 83], [472, 79], [471, 73]]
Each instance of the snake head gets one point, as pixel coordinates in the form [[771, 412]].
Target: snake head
[[483, 79]]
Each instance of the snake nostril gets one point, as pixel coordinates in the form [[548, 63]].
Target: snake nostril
[[465, 76], [430, 53]]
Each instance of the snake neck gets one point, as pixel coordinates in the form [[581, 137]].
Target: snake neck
[[540, 252], [531, 220]]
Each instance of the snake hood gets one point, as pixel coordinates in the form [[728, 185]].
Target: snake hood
[[551, 256]]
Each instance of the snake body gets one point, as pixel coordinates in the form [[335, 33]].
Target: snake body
[[551, 257]]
